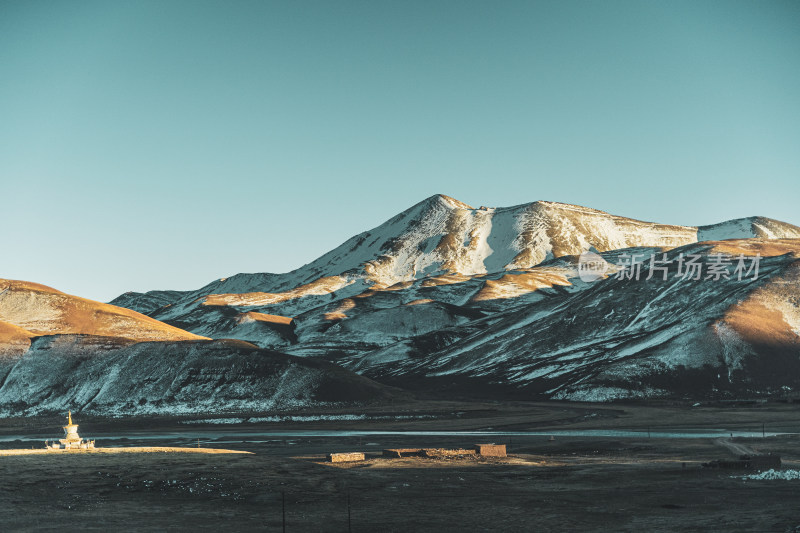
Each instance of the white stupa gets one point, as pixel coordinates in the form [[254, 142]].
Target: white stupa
[[71, 440]]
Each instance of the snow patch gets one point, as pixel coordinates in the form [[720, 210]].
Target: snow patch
[[785, 475]]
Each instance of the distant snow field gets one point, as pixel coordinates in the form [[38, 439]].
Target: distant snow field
[[303, 418], [786, 475]]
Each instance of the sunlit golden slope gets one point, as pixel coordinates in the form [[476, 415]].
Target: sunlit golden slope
[[14, 339], [768, 319], [267, 319], [319, 287], [517, 284], [41, 310], [751, 247]]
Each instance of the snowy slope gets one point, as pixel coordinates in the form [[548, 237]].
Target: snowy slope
[[623, 338], [147, 302], [114, 376], [747, 228]]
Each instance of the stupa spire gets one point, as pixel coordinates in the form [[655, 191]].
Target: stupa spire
[[71, 440]]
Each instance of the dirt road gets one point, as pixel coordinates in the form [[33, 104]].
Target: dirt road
[[735, 448]]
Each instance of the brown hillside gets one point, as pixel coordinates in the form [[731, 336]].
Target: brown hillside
[[42, 310]]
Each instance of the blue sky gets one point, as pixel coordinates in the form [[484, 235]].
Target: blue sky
[[163, 144]]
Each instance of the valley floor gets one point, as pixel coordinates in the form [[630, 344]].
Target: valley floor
[[566, 484]]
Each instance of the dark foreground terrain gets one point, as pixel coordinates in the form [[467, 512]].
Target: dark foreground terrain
[[578, 483]]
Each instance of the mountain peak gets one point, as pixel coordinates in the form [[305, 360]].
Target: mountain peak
[[448, 201], [747, 228]]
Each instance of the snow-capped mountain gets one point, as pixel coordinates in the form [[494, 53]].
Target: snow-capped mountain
[[441, 235], [470, 255], [437, 236], [489, 301]]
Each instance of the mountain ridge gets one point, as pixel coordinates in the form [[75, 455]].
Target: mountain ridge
[[441, 235], [490, 300]]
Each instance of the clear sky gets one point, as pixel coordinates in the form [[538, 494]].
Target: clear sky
[[163, 144]]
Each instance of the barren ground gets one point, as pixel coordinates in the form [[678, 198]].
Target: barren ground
[[568, 484]]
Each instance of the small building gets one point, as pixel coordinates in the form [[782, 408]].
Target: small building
[[764, 461], [759, 462], [71, 440], [491, 450], [345, 457]]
